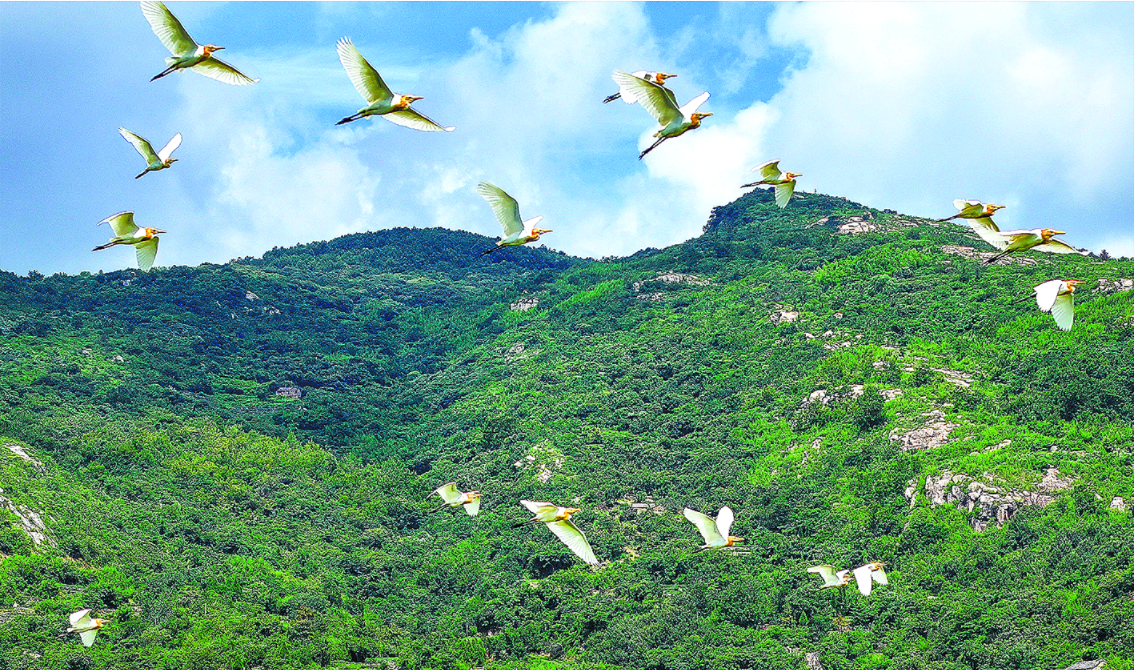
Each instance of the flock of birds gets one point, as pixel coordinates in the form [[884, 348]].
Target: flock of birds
[[642, 87]]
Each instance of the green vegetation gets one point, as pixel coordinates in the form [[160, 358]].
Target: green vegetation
[[833, 389]]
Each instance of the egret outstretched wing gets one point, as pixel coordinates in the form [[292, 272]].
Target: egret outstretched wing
[[80, 619], [122, 223], [724, 521], [215, 68], [143, 145], [449, 493], [573, 537], [411, 118], [88, 636], [1046, 294], [365, 78], [707, 527], [783, 192], [863, 579], [507, 211], [988, 231], [169, 148], [1062, 311], [1055, 246], [540, 509], [146, 252], [168, 29], [692, 106], [656, 99], [769, 171], [472, 507]]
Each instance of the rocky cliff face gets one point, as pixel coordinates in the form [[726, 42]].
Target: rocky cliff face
[[986, 502]]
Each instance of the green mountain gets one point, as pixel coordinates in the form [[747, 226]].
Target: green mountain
[[234, 463]]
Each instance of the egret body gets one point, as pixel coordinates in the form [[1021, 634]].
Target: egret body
[[144, 240], [380, 100], [188, 54]]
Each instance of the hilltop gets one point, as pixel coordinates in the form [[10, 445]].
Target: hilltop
[[260, 439]]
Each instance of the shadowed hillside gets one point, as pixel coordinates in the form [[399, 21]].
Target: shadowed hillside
[[234, 463]]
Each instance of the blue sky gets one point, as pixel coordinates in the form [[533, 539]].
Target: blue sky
[[897, 105]]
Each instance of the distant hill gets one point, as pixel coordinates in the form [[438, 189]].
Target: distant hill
[[234, 462]]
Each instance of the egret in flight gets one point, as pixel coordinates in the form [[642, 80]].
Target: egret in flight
[[507, 211], [558, 520], [972, 209], [783, 184], [865, 574], [1011, 241], [380, 100], [715, 533], [660, 102], [154, 161], [85, 626], [1056, 296], [188, 54], [628, 95], [144, 240], [471, 501], [832, 577]]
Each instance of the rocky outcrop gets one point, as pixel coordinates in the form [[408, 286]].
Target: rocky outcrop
[[934, 433], [22, 453], [1118, 503], [783, 314], [1087, 665], [518, 352], [291, 392], [524, 304], [968, 252], [986, 502], [1104, 285], [812, 660], [30, 521], [855, 226], [672, 277], [546, 461]]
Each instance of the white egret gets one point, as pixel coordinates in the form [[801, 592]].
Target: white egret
[[783, 184], [86, 626], [972, 209], [507, 211], [380, 100], [716, 533], [660, 102], [558, 520], [1056, 296], [865, 574], [188, 54], [471, 500], [154, 161], [1011, 241], [144, 240], [833, 577], [629, 96]]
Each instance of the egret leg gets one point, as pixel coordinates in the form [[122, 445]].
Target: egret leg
[[491, 250], [353, 117], [659, 141], [140, 176], [998, 257], [105, 246], [612, 98], [164, 73]]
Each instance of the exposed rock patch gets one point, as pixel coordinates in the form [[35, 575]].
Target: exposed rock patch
[[671, 277], [524, 304], [935, 433], [547, 461], [968, 252], [518, 352], [30, 521], [289, 392], [19, 451], [783, 314], [986, 502], [856, 225], [1118, 503], [1104, 285]]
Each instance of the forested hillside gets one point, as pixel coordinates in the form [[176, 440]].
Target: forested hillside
[[234, 463]]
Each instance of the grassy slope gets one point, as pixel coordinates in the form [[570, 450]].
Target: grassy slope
[[401, 342]]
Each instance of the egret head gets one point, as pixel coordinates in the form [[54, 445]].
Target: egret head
[[789, 176], [208, 49], [473, 495], [698, 116], [1072, 284], [662, 77], [408, 99], [1047, 233], [150, 232], [570, 510], [99, 623], [733, 538], [989, 209], [170, 161]]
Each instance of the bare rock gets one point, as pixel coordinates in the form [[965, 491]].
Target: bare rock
[[1104, 285], [22, 453], [518, 352], [818, 222], [968, 252], [671, 277], [855, 226], [934, 433], [30, 521], [250, 296], [783, 314], [545, 460], [986, 501], [524, 304], [289, 392], [812, 660], [1118, 503], [1087, 665]]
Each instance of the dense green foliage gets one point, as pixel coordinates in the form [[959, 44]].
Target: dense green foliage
[[220, 524]]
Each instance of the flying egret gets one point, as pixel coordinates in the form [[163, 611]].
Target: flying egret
[[85, 626], [507, 211], [628, 95], [865, 574], [1011, 241], [188, 54], [660, 102], [1056, 296], [380, 100], [471, 501], [784, 184], [558, 520], [972, 209], [154, 161], [832, 577], [716, 533], [144, 240]]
